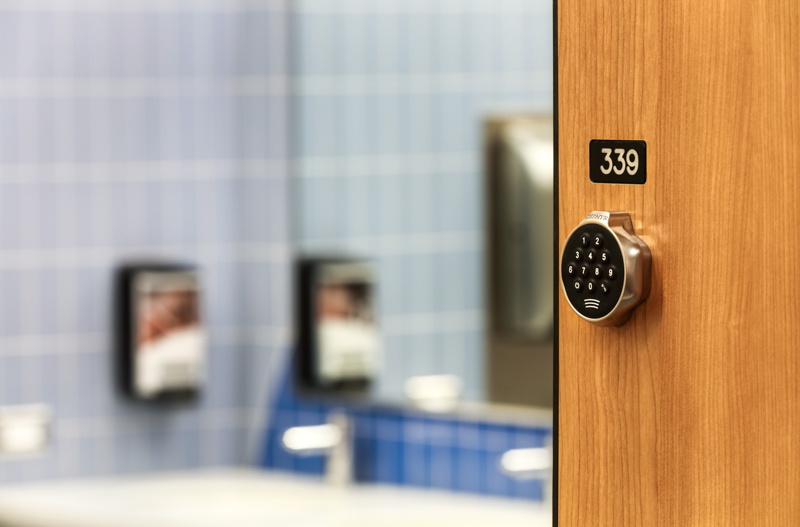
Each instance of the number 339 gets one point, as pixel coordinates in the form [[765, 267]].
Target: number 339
[[629, 161]]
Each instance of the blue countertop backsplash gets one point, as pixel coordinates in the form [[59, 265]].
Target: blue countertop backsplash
[[406, 447]]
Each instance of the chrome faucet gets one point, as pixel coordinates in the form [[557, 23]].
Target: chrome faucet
[[334, 440]]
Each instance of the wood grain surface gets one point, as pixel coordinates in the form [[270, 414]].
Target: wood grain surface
[[690, 413]]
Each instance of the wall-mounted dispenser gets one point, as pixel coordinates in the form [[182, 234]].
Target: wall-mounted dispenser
[[160, 334], [520, 217], [337, 333], [605, 269], [518, 151]]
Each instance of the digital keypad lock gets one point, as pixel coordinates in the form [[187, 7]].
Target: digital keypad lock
[[605, 269]]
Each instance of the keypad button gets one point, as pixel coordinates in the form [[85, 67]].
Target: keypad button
[[591, 286], [585, 237], [572, 268], [597, 241], [591, 256], [605, 287], [605, 256], [578, 255], [585, 268], [597, 272], [611, 273], [577, 285]]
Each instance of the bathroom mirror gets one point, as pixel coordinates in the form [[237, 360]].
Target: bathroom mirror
[[423, 143]]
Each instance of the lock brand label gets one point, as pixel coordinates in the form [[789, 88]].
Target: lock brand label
[[600, 217], [619, 162]]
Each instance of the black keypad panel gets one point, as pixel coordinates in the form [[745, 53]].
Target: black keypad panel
[[593, 284]]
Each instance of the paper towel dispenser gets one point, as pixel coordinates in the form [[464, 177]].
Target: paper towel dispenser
[[520, 228]]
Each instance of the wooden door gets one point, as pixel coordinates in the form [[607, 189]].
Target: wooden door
[[690, 413]]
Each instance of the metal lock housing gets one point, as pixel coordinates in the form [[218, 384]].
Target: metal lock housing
[[605, 268]]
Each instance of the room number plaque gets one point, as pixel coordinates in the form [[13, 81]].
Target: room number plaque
[[618, 162]]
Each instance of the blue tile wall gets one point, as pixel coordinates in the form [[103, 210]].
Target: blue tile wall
[[404, 447], [134, 128], [390, 98]]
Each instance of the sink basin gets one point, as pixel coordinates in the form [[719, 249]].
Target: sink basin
[[251, 498]]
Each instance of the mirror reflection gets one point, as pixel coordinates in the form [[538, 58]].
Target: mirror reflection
[[422, 152]]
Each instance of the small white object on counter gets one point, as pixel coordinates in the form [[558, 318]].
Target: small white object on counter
[[24, 430], [247, 498]]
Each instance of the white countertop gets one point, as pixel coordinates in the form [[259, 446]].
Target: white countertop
[[245, 498]]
